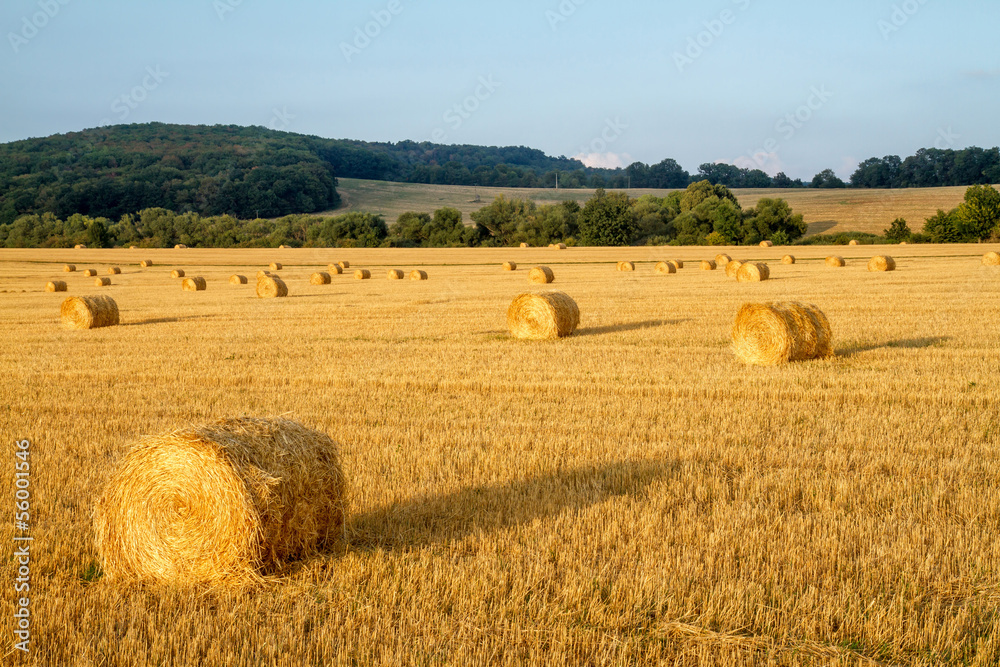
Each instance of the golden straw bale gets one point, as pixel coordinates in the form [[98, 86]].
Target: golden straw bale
[[542, 316], [146, 263], [275, 266], [788, 259], [270, 287], [334, 269], [510, 266], [626, 266], [524, 245], [56, 286], [417, 274], [177, 273], [195, 284], [80, 246], [132, 247], [753, 272], [180, 246], [282, 247], [665, 267], [766, 244], [263, 274], [89, 312], [560, 246], [991, 259], [69, 268], [733, 267], [678, 264], [223, 503], [320, 278], [237, 279], [708, 265], [114, 271], [362, 274], [721, 260], [835, 261], [854, 242], [102, 282], [541, 275], [767, 334], [344, 265], [882, 263], [395, 274], [90, 273]]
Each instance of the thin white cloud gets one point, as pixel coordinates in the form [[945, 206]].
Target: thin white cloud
[[604, 160], [769, 163]]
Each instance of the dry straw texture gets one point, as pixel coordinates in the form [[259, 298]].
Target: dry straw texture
[[733, 267], [677, 263], [282, 247], [69, 268], [835, 261], [80, 246], [56, 286], [395, 274], [275, 266], [665, 267], [320, 278], [722, 259], [335, 269], [626, 266], [180, 246], [362, 274], [542, 316], [766, 244], [344, 265], [510, 266], [89, 312], [524, 245], [541, 275], [560, 246], [270, 287], [882, 263], [237, 279], [102, 282], [177, 273], [114, 271], [788, 259], [194, 284], [767, 334], [991, 259], [753, 272], [263, 274], [90, 273], [146, 263], [854, 242], [417, 274], [708, 265], [223, 503]]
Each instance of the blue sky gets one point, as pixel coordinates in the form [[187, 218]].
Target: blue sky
[[783, 85]]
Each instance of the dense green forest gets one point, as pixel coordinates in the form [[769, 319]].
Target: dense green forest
[[253, 172]]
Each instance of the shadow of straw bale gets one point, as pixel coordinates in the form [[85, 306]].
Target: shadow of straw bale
[[163, 320], [911, 343], [433, 519], [629, 326]]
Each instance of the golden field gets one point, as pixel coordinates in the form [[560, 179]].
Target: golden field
[[628, 495]]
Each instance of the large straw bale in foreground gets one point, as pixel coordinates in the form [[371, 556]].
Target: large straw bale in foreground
[[194, 284], [991, 259], [543, 316], [222, 503], [881, 263], [89, 312], [767, 334], [753, 272], [270, 287], [541, 275]]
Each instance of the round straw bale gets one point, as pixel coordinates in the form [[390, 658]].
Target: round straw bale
[[177, 273], [677, 263], [560, 246], [263, 274], [722, 260], [90, 273], [221, 503], [417, 274], [362, 274], [541, 275], [275, 266], [524, 245], [270, 287], [334, 269], [320, 278], [854, 242], [344, 265], [766, 244], [80, 246], [626, 266], [237, 279], [114, 271], [753, 272], [56, 286], [835, 261], [991, 259], [665, 267], [510, 266], [195, 284], [69, 268], [180, 246], [733, 267], [282, 247], [708, 265], [146, 263], [395, 274], [542, 316], [882, 263], [132, 247], [766, 334], [788, 259], [102, 281], [89, 312]]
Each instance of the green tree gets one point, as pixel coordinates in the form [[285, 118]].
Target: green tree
[[507, 221], [980, 213], [945, 227], [771, 217], [827, 179], [898, 231], [608, 219]]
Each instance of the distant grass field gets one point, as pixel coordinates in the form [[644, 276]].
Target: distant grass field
[[630, 495], [826, 211]]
